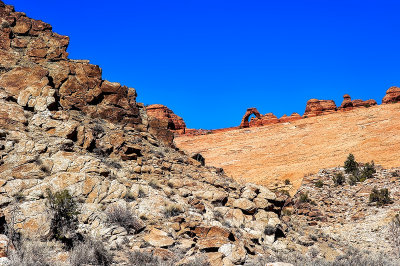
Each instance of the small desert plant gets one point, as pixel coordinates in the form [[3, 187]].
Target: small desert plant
[[304, 197], [339, 179], [381, 197], [64, 211], [395, 174], [172, 210], [141, 193], [394, 229], [154, 184], [367, 171], [90, 252], [122, 215], [286, 212], [129, 196], [138, 258], [287, 182], [350, 165], [19, 196], [353, 179], [319, 184], [269, 230], [30, 254]]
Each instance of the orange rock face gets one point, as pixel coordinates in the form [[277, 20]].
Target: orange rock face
[[271, 154], [163, 113], [392, 95]]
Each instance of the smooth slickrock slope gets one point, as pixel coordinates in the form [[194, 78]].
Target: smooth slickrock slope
[[272, 153]]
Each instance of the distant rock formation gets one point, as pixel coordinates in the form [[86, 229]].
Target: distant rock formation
[[392, 95], [348, 104], [249, 112], [171, 120], [316, 107], [292, 117]]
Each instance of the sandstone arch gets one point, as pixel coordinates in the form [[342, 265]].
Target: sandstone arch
[[249, 112]]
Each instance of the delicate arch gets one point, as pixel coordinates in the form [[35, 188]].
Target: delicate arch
[[249, 112]]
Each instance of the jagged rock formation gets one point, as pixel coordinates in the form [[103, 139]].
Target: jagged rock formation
[[392, 95], [316, 107], [348, 104], [262, 120], [63, 127], [174, 123]]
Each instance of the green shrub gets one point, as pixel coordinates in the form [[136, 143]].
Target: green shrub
[[304, 197], [339, 179], [350, 165], [319, 184], [64, 212], [367, 171], [353, 179], [381, 197]]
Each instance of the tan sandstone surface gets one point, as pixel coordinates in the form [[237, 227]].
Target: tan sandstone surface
[[292, 150]]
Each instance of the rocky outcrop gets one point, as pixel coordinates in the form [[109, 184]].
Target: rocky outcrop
[[316, 107], [266, 119], [174, 123], [392, 95], [51, 82], [348, 104], [292, 117], [245, 120]]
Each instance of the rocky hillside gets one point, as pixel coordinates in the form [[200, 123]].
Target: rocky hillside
[[87, 177], [83, 168]]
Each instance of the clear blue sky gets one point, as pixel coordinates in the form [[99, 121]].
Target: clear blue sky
[[209, 60]]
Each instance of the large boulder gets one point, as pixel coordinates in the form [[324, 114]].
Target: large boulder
[[163, 113], [392, 95], [317, 107]]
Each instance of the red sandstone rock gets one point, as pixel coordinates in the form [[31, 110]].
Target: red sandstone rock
[[264, 120], [347, 103], [292, 117], [249, 112], [361, 103], [319, 107], [392, 95], [163, 113]]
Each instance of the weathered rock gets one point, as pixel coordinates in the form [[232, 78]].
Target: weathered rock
[[347, 103], [292, 117], [316, 107], [245, 120], [163, 113], [158, 238], [392, 95]]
